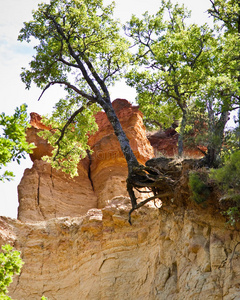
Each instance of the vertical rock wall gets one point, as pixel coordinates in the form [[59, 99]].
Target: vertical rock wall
[[108, 165]]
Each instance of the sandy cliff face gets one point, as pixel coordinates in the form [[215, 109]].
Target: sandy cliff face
[[181, 251], [77, 244]]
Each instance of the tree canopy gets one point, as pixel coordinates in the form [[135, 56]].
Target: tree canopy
[[177, 60], [185, 68], [13, 145]]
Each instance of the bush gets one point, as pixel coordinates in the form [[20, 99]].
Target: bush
[[228, 180], [199, 186], [10, 264]]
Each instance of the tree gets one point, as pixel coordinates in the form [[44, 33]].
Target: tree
[[187, 68], [226, 15], [176, 58], [10, 265], [224, 85], [80, 48], [13, 145]]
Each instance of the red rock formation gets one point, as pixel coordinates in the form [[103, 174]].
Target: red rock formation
[[166, 143], [108, 165], [46, 193]]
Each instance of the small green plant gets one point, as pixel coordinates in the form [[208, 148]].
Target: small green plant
[[228, 180], [198, 186], [233, 215], [10, 265]]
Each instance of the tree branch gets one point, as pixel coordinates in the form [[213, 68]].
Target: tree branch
[[83, 94], [70, 120], [76, 57], [95, 75]]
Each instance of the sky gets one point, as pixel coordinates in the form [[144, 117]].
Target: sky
[[15, 55]]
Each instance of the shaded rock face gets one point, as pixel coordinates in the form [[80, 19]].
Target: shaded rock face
[[46, 193], [166, 143]]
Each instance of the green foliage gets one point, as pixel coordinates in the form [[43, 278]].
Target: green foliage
[[73, 31], [228, 177], [228, 180], [225, 13], [74, 143], [233, 215], [177, 60], [80, 48], [10, 265], [199, 186], [13, 145]]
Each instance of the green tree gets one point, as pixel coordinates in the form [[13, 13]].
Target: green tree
[[176, 58], [13, 145], [80, 47], [185, 68], [226, 16], [221, 93], [10, 265]]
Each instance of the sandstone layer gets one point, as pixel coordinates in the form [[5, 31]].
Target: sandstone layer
[[45, 193], [180, 251]]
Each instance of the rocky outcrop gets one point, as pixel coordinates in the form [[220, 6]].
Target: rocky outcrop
[[45, 193], [180, 251], [108, 165], [76, 241]]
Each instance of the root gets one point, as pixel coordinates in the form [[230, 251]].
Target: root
[[159, 196], [152, 179]]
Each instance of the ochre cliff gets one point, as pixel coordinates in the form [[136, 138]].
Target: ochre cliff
[[77, 244], [45, 193], [180, 251]]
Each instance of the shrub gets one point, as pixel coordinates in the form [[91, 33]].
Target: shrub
[[228, 180], [199, 186], [10, 264]]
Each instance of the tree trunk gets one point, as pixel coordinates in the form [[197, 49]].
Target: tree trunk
[[121, 136], [215, 146], [181, 134]]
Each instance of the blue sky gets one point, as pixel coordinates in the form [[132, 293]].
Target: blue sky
[[15, 55]]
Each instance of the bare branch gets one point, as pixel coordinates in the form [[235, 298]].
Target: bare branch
[[83, 94]]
